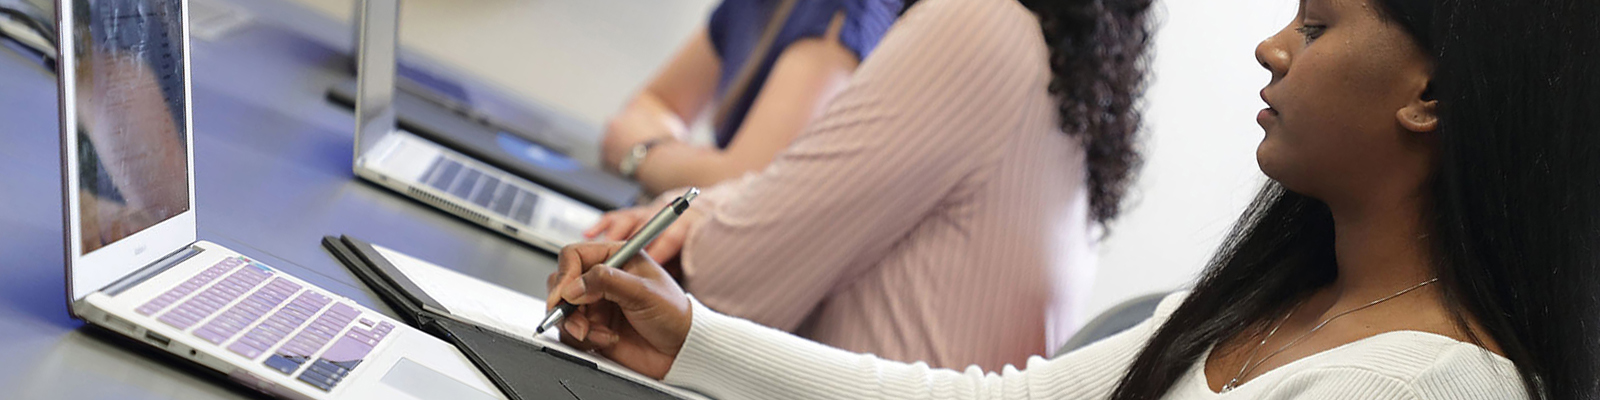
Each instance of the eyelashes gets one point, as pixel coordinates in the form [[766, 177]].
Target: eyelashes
[[1311, 32]]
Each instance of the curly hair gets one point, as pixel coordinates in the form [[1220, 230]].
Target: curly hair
[[1098, 62]]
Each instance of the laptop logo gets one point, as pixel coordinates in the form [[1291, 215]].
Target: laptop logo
[[139, 250]]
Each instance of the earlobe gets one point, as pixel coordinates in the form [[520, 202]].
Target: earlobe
[[1421, 116]]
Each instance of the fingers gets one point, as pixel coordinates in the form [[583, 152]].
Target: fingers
[[592, 327], [613, 222], [571, 265], [628, 291], [597, 228], [622, 230]]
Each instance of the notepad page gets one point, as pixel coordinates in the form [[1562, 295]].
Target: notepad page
[[472, 299], [507, 311]]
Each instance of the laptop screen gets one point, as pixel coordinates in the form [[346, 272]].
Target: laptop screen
[[375, 114], [129, 109]]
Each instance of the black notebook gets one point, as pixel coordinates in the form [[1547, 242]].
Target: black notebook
[[492, 327]]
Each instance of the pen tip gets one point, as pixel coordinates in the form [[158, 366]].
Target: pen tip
[[693, 192]]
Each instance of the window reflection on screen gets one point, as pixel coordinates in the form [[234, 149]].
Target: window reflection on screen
[[130, 112]]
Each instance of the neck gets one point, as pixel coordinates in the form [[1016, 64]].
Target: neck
[[1380, 249]]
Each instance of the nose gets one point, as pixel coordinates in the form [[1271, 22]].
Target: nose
[[1274, 56]]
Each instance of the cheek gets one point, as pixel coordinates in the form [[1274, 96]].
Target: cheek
[[1327, 109]]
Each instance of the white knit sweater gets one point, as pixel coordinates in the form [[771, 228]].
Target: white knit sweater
[[729, 358]]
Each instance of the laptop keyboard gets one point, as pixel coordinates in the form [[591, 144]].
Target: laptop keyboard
[[263, 292], [471, 184]]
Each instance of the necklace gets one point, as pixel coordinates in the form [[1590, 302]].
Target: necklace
[[1247, 367]]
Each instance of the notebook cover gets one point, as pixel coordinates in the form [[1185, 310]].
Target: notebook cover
[[525, 371], [519, 369], [398, 300]]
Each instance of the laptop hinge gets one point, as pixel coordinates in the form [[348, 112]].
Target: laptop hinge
[[160, 265]]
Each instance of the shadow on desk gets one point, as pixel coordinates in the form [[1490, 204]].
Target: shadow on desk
[[32, 284], [118, 369]]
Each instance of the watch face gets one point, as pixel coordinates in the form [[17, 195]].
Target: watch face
[[631, 162]]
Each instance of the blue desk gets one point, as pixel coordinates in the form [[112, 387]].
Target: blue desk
[[273, 176]]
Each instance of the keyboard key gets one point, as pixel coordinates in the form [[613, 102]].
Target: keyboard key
[[485, 192], [244, 314], [503, 200], [524, 210], [279, 325], [211, 300], [187, 287], [463, 187], [316, 335], [447, 175], [283, 364], [318, 381], [246, 349]]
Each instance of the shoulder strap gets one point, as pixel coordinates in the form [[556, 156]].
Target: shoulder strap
[[741, 82]]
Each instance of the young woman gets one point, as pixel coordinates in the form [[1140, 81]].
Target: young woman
[[768, 67], [943, 209], [1432, 232]]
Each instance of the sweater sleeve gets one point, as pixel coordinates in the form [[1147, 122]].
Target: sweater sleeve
[[729, 358], [920, 118]]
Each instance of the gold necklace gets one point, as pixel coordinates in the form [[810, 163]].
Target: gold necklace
[[1247, 368]]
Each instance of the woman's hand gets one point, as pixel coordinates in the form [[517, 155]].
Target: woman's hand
[[636, 316], [643, 120], [621, 224]]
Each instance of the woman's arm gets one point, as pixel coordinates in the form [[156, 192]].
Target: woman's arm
[[806, 76], [636, 316], [729, 358], [920, 123], [665, 107]]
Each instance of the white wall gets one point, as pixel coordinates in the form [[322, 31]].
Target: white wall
[[1200, 169], [583, 57], [586, 56]]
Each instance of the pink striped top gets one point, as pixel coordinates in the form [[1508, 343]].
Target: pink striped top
[[936, 212]]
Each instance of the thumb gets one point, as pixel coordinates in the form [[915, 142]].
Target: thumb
[[629, 291]]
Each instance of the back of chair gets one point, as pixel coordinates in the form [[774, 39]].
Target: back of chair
[[1114, 320]]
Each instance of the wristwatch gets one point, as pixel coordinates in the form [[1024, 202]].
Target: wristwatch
[[630, 162]]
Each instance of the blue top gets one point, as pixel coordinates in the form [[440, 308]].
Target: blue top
[[736, 27]]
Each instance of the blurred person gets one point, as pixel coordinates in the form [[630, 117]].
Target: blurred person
[[768, 67], [1429, 232], [945, 208]]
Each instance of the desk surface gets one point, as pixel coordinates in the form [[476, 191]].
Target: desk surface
[[272, 177]]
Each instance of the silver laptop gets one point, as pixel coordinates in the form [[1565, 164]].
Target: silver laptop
[[437, 175], [135, 269]]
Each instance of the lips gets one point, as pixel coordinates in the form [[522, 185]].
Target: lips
[[1269, 102], [1266, 115]]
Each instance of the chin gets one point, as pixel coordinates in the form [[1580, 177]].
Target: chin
[[1268, 160], [1278, 167]]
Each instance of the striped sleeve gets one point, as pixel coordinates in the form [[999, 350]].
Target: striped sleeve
[[729, 358], [918, 118]]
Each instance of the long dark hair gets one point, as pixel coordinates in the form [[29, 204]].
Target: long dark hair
[[1098, 60], [1515, 204]]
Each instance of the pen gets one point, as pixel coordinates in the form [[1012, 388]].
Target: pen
[[629, 249]]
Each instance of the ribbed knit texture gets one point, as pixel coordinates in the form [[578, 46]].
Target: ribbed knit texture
[[935, 212], [728, 358]]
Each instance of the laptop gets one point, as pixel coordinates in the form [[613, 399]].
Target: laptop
[[135, 268], [439, 175]]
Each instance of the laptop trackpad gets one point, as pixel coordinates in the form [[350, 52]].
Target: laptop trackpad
[[414, 379]]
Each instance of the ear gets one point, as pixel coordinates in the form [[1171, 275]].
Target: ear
[[1421, 115]]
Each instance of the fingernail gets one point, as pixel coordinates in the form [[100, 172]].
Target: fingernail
[[572, 327], [575, 290]]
